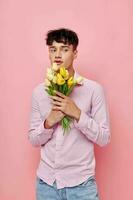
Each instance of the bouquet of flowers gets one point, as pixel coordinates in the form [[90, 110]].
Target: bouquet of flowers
[[58, 79]]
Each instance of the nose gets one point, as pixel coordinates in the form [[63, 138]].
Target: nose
[[58, 54]]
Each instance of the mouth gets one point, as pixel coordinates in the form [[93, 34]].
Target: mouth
[[58, 62]]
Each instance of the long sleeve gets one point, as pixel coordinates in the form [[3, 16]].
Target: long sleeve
[[37, 134], [95, 125]]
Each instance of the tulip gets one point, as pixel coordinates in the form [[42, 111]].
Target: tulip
[[49, 71], [55, 79], [60, 79], [47, 82], [50, 77], [64, 73], [70, 82], [79, 80], [55, 67]]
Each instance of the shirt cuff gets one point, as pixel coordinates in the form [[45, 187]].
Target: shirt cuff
[[42, 129], [82, 122]]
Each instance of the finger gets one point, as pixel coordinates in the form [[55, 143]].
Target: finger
[[56, 98], [56, 108], [57, 103], [59, 94]]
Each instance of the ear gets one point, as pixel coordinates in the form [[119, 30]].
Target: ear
[[75, 53]]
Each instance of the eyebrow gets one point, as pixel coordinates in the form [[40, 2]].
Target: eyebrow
[[63, 46]]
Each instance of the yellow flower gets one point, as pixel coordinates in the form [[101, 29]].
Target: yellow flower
[[60, 79], [49, 70], [50, 77], [50, 74], [55, 67], [75, 81], [70, 81], [64, 73], [55, 79], [47, 82], [79, 79]]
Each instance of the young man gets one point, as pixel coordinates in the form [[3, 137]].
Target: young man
[[67, 166]]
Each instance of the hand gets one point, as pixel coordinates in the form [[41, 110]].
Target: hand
[[53, 117], [66, 105]]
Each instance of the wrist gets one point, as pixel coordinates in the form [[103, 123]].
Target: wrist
[[77, 116], [47, 124]]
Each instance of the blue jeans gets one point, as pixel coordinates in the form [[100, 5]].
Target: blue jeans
[[84, 191]]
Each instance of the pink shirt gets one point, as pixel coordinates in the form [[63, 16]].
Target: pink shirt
[[69, 158]]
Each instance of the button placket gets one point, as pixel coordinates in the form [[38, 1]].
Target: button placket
[[58, 140]]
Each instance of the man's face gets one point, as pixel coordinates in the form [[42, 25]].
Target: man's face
[[62, 54]]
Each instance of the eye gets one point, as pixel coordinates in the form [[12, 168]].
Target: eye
[[65, 50], [52, 50]]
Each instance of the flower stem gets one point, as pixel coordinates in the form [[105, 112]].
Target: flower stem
[[65, 122]]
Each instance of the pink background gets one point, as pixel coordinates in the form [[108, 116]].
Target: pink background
[[105, 54]]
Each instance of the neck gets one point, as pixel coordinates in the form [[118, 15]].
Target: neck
[[71, 72]]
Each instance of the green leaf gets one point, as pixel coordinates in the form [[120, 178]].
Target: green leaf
[[48, 91], [60, 88], [63, 88], [70, 90], [56, 87], [65, 122]]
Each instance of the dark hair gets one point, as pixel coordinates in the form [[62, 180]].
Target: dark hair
[[63, 35]]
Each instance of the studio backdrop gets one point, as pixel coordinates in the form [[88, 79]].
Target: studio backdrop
[[105, 54]]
